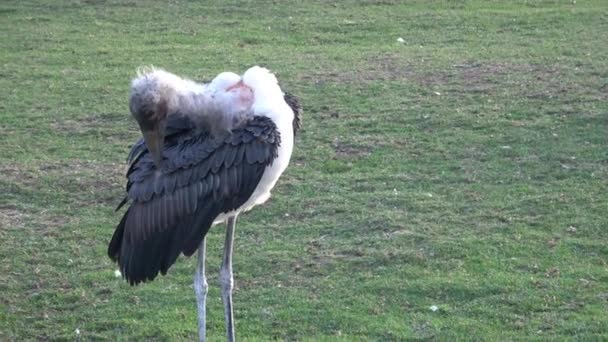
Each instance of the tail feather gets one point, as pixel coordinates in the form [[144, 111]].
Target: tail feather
[[140, 260], [115, 243]]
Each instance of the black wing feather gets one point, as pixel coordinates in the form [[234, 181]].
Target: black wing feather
[[294, 103], [202, 177]]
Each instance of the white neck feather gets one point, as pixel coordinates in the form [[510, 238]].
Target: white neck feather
[[268, 96]]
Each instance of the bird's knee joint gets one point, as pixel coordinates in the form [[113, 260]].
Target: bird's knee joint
[[226, 280], [200, 284]]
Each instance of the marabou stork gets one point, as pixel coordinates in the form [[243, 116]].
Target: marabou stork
[[210, 152]]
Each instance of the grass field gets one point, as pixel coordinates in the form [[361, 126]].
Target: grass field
[[464, 168]]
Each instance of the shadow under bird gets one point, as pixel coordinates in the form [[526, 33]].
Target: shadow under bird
[[209, 152]]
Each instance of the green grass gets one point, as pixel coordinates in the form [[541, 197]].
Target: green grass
[[465, 168]]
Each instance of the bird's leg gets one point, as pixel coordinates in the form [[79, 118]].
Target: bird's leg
[[200, 288], [226, 279]]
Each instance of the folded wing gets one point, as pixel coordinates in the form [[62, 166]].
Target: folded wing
[[171, 210]]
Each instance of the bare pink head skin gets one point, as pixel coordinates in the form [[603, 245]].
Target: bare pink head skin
[[230, 104]]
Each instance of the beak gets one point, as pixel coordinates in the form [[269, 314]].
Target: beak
[[155, 139], [152, 122]]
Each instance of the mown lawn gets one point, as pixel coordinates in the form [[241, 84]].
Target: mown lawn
[[464, 168]]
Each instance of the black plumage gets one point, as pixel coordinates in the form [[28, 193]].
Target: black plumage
[[294, 103], [202, 176]]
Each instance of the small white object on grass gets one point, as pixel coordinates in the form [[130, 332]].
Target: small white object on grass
[[117, 274], [77, 331], [434, 308], [401, 40]]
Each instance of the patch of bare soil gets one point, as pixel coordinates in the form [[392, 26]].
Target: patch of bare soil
[[95, 123], [387, 68], [533, 81], [18, 174], [378, 3], [468, 77], [90, 182], [381, 68], [350, 150], [11, 217]]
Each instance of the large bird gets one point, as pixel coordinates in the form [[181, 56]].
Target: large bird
[[210, 152]]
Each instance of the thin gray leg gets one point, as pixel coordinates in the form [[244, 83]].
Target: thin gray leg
[[226, 279], [200, 288]]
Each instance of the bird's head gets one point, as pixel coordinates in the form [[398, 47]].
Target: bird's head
[[153, 94]]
